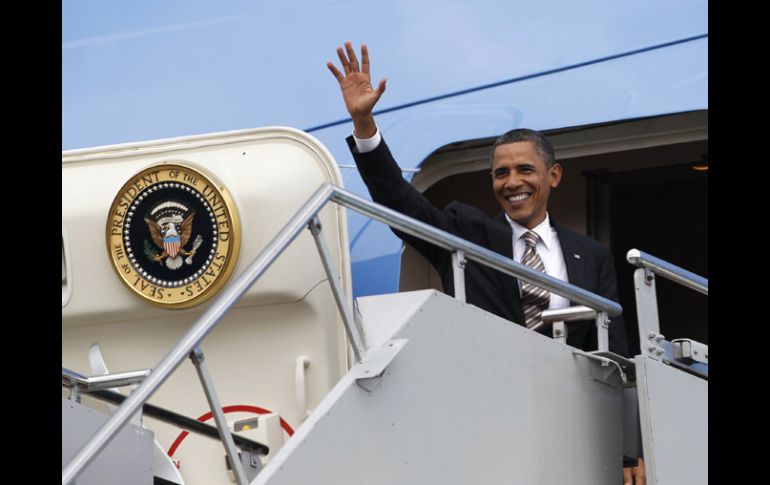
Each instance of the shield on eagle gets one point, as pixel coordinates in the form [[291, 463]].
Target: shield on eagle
[[170, 225], [171, 245]]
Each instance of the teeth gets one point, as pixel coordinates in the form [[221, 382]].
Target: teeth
[[516, 198]]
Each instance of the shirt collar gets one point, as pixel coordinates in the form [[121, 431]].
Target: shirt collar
[[543, 230]]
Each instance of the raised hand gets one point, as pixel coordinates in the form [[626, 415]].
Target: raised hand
[[357, 91]]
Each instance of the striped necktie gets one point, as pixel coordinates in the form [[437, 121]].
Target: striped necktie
[[534, 298]]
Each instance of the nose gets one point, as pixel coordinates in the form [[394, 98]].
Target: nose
[[512, 182]]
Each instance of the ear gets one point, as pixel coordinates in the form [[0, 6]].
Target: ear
[[555, 174]]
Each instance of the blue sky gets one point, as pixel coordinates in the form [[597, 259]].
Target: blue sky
[[142, 70]]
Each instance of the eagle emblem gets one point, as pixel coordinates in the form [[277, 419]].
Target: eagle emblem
[[171, 224]]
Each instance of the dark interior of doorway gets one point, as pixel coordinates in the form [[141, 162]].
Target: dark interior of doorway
[[662, 211]]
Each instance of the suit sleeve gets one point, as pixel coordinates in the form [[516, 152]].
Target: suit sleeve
[[382, 177]]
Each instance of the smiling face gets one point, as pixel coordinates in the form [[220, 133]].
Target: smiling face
[[522, 182]]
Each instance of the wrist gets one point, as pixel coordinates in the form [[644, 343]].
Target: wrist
[[364, 126]]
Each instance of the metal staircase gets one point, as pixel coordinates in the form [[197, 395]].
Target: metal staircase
[[582, 391]]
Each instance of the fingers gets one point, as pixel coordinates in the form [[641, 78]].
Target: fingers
[[352, 57], [343, 60], [640, 471], [627, 478], [364, 59], [381, 86], [350, 64], [336, 72]]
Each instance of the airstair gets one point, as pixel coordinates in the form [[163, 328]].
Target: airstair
[[440, 391]]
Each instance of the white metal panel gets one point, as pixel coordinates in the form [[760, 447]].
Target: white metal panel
[[269, 172], [471, 398], [673, 408]]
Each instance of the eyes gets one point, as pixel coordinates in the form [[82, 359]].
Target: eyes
[[503, 172]]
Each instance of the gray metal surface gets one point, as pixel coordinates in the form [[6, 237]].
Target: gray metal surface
[[471, 398], [604, 368], [559, 316], [685, 348], [251, 464], [669, 271], [377, 359], [559, 331], [673, 407], [116, 379], [567, 314], [603, 332], [666, 352], [95, 383], [458, 274], [647, 312], [99, 382], [70, 378], [127, 460]]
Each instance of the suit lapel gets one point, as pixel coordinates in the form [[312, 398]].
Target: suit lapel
[[572, 250], [501, 241]]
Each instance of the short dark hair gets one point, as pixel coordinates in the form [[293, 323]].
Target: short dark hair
[[542, 145]]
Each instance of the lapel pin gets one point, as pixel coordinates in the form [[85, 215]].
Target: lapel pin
[[577, 256]]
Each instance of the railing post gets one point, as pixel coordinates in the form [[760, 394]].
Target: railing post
[[559, 330], [602, 332], [458, 272], [224, 430], [647, 312], [651, 340], [75, 393], [346, 310]]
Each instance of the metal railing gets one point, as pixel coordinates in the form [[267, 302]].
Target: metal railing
[[672, 272], [652, 342], [95, 383], [307, 217], [558, 318], [95, 389]]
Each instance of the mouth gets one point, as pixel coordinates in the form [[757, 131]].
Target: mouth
[[515, 198]]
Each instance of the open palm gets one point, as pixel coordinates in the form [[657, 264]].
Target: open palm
[[357, 91]]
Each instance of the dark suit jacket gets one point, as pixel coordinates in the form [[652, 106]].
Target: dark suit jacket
[[589, 263]]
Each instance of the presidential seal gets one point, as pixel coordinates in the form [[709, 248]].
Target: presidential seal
[[173, 235]]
